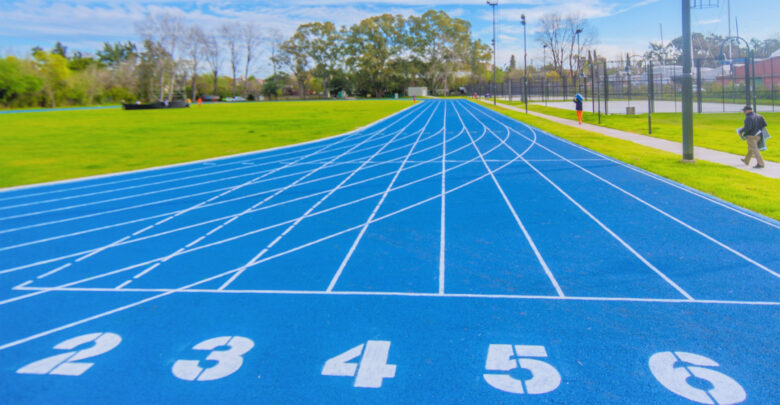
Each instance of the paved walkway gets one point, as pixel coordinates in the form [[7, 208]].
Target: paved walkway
[[772, 169]]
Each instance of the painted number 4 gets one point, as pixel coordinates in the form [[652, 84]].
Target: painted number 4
[[371, 370], [504, 358]]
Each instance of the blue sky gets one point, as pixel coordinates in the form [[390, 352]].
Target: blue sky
[[622, 25]]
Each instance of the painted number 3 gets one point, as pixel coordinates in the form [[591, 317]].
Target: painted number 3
[[228, 361], [504, 358], [68, 363]]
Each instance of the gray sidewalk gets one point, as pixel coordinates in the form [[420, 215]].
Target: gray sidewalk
[[772, 169]]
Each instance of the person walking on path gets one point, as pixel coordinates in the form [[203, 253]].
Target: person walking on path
[[753, 134], [578, 105]]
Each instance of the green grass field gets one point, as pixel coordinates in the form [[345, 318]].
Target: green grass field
[[46, 146], [758, 193], [713, 131]]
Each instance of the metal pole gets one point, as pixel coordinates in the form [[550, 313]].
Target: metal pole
[[772, 81], [698, 84], [753, 82], [525, 69], [606, 90], [650, 98], [687, 84], [592, 82], [747, 77], [493, 5]]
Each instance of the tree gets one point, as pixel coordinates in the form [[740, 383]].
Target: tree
[[251, 38], [195, 44], [273, 85], [371, 46], [54, 71], [214, 58], [434, 39], [18, 84], [112, 55], [166, 31], [231, 36], [322, 42], [293, 54], [512, 63], [476, 56], [60, 49], [275, 38], [560, 36]]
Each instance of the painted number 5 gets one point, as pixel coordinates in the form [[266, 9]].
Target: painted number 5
[[545, 378], [228, 361], [67, 363], [673, 369]]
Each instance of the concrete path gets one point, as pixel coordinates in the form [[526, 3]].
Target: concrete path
[[772, 169]]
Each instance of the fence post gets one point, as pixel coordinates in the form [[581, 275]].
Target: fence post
[[698, 84], [592, 82], [606, 92], [650, 98], [753, 65]]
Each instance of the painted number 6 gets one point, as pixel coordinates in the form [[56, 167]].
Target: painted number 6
[[228, 361], [671, 370], [66, 363], [508, 357]]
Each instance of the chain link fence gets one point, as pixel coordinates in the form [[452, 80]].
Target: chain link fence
[[639, 86]]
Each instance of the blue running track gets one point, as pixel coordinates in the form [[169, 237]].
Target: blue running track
[[446, 254]]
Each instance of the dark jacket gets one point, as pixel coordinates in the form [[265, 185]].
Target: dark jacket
[[753, 124], [578, 102]]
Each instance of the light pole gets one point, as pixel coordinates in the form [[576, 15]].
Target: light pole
[[687, 84], [525, 67], [544, 75], [579, 62], [493, 4]]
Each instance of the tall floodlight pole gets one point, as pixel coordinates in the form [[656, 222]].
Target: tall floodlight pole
[[687, 84], [525, 67], [579, 62], [493, 4]]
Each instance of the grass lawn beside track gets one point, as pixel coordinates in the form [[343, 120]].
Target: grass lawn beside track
[[713, 131], [752, 191], [47, 146]]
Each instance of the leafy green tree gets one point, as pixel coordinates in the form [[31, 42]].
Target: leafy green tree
[[293, 54], [322, 43], [113, 54], [18, 84], [434, 39], [273, 85], [54, 71], [371, 46]]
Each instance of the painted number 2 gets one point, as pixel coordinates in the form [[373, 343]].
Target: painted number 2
[[673, 369], [67, 363], [545, 378], [373, 367], [228, 361]]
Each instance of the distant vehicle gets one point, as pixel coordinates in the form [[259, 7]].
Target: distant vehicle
[[210, 98], [234, 99]]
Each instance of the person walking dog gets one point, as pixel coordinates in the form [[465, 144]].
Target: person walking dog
[[578, 105], [753, 134]]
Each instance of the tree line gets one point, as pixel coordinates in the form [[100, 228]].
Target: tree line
[[378, 56]]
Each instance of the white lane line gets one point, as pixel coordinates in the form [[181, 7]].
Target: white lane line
[[362, 232], [314, 206], [253, 156], [283, 189], [509, 205], [598, 222], [413, 294], [156, 202], [51, 260], [131, 305], [694, 192], [443, 218], [48, 273], [653, 207], [120, 286], [320, 150]]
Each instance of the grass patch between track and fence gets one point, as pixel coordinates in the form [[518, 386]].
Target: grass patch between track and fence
[[47, 146], [713, 131], [752, 191]]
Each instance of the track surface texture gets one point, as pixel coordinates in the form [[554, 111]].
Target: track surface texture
[[446, 254]]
